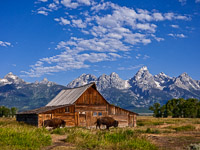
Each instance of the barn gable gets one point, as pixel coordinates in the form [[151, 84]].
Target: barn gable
[[91, 97], [70, 96]]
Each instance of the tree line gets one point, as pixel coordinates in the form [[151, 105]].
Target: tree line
[[177, 108], [7, 112]]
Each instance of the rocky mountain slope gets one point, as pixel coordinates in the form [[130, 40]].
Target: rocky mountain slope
[[15, 92], [142, 90]]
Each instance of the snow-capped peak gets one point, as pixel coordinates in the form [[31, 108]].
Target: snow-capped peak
[[82, 80], [184, 75], [144, 68], [186, 82], [13, 79], [114, 74], [162, 74], [142, 73], [44, 81], [10, 75], [47, 82]]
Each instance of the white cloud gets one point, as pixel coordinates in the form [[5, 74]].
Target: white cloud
[[146, 57], [183, 2], [42, 12], [174, 26], [101, 6], [5, 44], [67, 61], [86, 2], [177, 35], [75, 4], [53, 6], [42, 0], [181, 35], [146, 26], [79, 23], [157, 38], [131, 67], [158, 17], [62, 21], [137, 56], [197, 1], [69, 4], [106, 31]]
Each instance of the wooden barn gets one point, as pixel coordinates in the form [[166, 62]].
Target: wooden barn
[[79, 106]]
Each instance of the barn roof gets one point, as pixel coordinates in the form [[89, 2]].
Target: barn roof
[[69, 96], [42, 109]]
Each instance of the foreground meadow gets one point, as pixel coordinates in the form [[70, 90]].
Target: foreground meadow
[[150, 134]]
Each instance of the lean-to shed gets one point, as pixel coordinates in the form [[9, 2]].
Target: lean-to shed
[[79, 106]]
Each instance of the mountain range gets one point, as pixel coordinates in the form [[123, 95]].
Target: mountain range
[[142, 90], [15, 92]]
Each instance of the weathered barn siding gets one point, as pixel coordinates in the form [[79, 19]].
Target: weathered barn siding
[[79, 107], [66, 113], [91, 97]]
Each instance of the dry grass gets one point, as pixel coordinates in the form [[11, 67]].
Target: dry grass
[[171, 133]]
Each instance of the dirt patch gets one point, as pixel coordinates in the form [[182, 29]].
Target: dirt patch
[[175, 141], [58, 143]]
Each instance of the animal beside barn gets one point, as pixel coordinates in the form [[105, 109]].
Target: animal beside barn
[[54, 123], [80, 106], [108, 121]]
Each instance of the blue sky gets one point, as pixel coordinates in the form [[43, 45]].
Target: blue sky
[[62, 39]]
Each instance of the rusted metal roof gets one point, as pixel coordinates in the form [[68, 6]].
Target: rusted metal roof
[[69, 96], [42, 109]]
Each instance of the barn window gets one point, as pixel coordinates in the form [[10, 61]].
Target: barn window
[[66, 109], [94, 113], [100, 113]]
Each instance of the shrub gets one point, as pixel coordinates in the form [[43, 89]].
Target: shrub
[[156, 131], [185, 128], [194, 147]]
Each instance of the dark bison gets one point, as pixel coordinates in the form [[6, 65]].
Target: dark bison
[[108, 121], [55, 123]]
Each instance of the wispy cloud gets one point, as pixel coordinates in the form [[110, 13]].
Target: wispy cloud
[[62, 21], [175, 26], [5, 44], [177, 35], [197, 1], [43, 12], [183, 2], [106, 31], [42, 0], [131, 67]]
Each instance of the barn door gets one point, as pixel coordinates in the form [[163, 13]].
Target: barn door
[[130, 120], [82, 120], [88, 118]]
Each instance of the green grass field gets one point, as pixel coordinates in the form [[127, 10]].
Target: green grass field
[[14, 135], [150, 134]]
